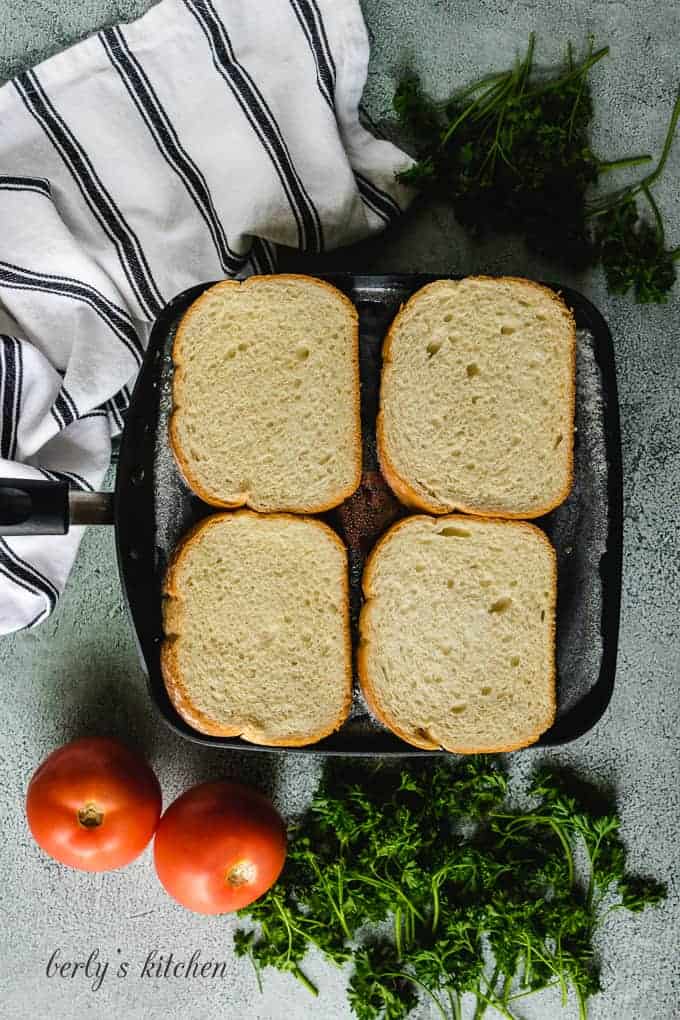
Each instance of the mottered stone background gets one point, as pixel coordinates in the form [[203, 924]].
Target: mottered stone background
[[78, 673]]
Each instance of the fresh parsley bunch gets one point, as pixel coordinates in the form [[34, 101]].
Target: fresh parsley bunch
[[512, 152], [480, 898]]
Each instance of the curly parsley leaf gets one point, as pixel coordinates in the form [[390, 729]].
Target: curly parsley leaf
[[480, 897], [512, 152]]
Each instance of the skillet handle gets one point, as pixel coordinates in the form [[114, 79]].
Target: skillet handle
[[31, 506]]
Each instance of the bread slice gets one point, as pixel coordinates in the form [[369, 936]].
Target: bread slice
[[458, 633], [266, 395], [477, 398], [257, 629]]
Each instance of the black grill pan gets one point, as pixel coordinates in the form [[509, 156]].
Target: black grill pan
[[154, 507]]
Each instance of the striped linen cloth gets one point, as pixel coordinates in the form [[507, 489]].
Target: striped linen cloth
[[180, 148]]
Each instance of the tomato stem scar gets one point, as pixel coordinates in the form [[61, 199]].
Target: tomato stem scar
[[241, 873], [90, 817]]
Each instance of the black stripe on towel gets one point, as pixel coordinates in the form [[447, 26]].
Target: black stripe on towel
[[311, 22], [144, 97], [98, 198], [378, 212], [324, 41], [116, 318], [255, 108], [39, 184], [254, 258], [8, 573], [65, 406], [325, 71], [26, 575], [20, 386], [115, 414], [269, 254], [11, 378], [381, 203], [74, 479], [57, 417], [36, 619], [262, 256], [78, 481], [118, 406], [122, 399]]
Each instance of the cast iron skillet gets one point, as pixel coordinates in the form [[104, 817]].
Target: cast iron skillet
[[153, 507]]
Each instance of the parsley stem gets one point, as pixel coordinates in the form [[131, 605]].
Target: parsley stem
[[490, 999], [410, 977], [538, 819], [286, 924], [488, 79], [526, 65], [459, 120], [435, 901], [497, 97], [581, 85], [339, 886], [560, 965], [657, 215], [397, 932], [290, 927], [256, 969], [579, 71], [532, 991], [567, 848], [493, 1000], [627, 194], [411, 925], [454, 1000], [334, 906], [621, 164], [480, 1008], [665, 152], [591, 854], [303, 979], [379, 883]]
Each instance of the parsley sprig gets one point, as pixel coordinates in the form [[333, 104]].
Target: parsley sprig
[[512, 152], [480, 897]]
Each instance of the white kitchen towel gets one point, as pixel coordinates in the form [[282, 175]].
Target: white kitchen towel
[[177, 149]]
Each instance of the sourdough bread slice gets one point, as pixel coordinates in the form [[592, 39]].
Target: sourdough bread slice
[[256, 620], [477, 398], [458, 633], [266, 395]]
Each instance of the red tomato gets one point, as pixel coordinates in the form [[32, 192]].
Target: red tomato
[[218, 847], [94, 804]]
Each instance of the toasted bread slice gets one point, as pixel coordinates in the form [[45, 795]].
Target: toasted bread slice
[[266, 395], [477, 398], [458, 633], [257, 629]]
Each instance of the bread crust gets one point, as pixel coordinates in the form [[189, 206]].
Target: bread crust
[[402, 488], [178, 690], [367, 680], [184, 464]]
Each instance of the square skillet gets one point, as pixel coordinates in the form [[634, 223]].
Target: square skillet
[[154, 508]]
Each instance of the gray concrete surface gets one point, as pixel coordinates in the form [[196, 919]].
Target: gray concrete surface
[[79, 672]]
